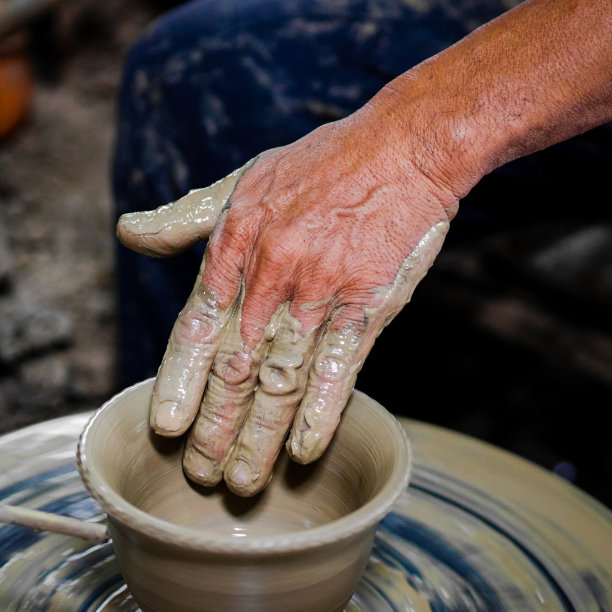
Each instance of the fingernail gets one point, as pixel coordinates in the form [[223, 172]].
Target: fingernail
[[240, 473], [242, 479]]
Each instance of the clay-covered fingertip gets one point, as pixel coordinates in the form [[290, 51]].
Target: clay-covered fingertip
[[305, 447], [243, 491], [130, 235], [166, 422], [167, 433], [242, 481], [122, 232], [200, 469], [202, 479]]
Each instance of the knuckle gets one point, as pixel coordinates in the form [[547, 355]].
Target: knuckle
[[223, 252], [196, 328], [331, 367], [279, 249], [276, 380], [233, 368], [221, 270], [237, 230], [282, 372]]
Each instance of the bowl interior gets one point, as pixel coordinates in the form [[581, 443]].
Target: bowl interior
[[124, 461]]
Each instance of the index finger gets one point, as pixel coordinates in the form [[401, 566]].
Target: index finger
[[184, 370]]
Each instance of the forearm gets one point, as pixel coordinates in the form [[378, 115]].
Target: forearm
[[537, 75]]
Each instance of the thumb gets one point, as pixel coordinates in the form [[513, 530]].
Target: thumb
[[174, 227]]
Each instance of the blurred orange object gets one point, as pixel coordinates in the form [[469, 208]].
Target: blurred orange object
[[15, 90]]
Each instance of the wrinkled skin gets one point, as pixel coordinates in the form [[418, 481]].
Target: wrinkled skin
[[305, 266]]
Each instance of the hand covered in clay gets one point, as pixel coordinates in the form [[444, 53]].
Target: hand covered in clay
[[313, 249]]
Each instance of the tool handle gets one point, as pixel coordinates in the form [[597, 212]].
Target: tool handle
[[45, 521]]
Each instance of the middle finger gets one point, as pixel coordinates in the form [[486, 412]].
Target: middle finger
[[282, 380]]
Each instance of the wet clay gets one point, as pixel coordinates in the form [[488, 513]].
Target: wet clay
[[300, 546], [189, 219], [243, 443], [258, 421]]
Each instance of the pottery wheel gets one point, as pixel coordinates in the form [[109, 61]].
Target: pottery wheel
[[478, 529]]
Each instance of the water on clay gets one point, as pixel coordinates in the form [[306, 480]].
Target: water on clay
[[270, 525], [454, 541]]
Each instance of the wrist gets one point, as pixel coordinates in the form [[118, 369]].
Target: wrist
[[428, 129], [535, 76], [440, 131]]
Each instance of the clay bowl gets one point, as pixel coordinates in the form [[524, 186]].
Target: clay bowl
[[302, 544]]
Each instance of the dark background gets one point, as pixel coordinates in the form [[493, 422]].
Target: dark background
[[509, 338]]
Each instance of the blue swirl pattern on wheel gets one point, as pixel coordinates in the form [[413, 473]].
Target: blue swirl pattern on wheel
[[448, 545]]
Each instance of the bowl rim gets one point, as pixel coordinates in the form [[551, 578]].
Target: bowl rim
[[162, 531]]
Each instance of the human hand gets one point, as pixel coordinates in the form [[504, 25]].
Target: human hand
[[317, 246]]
